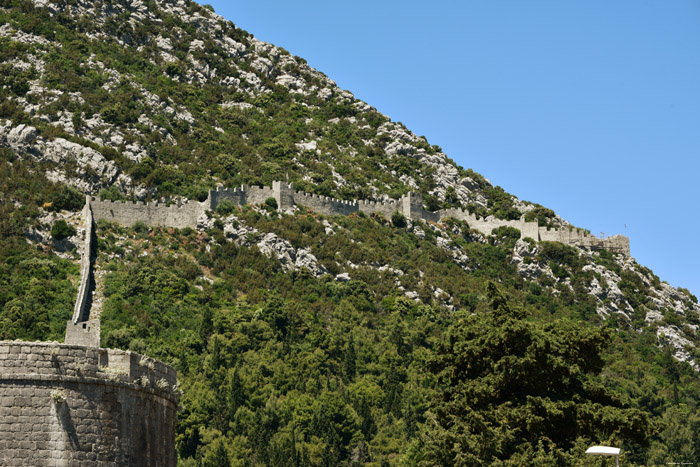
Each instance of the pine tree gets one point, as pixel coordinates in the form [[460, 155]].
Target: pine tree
[[513, 390]]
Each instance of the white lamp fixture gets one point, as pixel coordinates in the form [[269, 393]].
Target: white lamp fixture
[[605, 451]]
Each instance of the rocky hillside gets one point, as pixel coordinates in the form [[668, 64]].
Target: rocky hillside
[[154, 99], [283, 320]]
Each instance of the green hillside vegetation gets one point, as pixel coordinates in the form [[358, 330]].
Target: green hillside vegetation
[[230, 145], [417, 359], [37, 289], [281, 365]]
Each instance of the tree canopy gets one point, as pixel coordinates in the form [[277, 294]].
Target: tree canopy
[[511, 391]]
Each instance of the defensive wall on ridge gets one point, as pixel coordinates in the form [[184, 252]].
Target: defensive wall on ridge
[[84, 406], [78, 404], [80, 329], [410, 205], [155, 213]]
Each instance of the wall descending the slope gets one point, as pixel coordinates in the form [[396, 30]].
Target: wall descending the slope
[[80, 330], [85, 265], [79, 406]]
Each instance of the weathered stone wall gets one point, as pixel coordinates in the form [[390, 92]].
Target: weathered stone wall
[[151, 214], [386, 209], [325, 205], [85, 333], [236, 196], [77, 406], [80, 309], [616, 243], [410, 205], [259, 194], [284, 194], [79, 330], [486, 225], [570, 236]]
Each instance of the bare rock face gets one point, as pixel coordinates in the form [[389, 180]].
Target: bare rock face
[[269, 244], [524, 260], [609, 297], [290, 257], [672, 336], [458, 255], [94, 171], [343, 277], [254, 67], [21, 136]]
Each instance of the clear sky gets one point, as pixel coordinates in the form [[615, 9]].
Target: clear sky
[[590, 108]]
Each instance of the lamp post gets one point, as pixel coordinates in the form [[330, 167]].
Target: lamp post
[[605, 451]]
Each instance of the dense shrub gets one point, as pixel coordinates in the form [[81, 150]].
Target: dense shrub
[[68, 198], [398, 219], [271, 203], [225, 207], [61, 230]]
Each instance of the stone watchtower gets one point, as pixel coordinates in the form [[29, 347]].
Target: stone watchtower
[[283, 193]]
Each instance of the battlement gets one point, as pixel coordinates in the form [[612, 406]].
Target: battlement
[[179, 215], [410, 205], [119, 366]]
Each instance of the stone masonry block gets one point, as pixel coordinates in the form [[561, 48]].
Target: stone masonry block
[[107, 419]]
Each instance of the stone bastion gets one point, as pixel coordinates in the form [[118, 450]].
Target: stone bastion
[[85, 406]]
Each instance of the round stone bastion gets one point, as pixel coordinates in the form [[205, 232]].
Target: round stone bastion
[[85, 406]]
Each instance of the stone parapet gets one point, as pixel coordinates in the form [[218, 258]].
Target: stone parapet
[[85, 333], [73, 405], [152, 214], [410, 205]]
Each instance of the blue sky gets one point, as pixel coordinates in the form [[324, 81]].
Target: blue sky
[[590, 108]]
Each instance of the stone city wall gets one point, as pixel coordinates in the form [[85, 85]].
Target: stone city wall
[[385, 208], [258, 194], [325, 205], [85, 266], [410, 205], [243, 195], [236, 196], [71, 405], [485, 225], [85, 333], [568, 235], [152, 214], [287, 197], [80, 330]]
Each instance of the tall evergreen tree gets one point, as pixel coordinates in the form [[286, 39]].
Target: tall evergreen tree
[[517, 392]]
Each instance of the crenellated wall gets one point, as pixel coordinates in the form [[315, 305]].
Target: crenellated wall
[[385, 208], [155, 213], [324, 204], [236, 196], [72, 405], [258, 194], [410, 205], [568, 235]]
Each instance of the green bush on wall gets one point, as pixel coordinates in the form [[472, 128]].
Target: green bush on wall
[[225, 207], [398, 219], [271, 203]]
